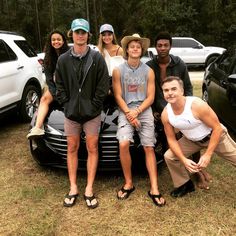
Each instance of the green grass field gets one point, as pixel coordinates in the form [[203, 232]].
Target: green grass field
[[31, 199]]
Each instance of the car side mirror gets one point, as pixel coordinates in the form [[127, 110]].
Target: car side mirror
[[232, 79], [198, 46]]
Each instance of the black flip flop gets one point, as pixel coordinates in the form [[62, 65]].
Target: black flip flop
[[126, 191], [73, 197], [89, 200], [154, 196]]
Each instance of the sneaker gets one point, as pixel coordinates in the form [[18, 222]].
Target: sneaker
[[183, 189], [35, 132]]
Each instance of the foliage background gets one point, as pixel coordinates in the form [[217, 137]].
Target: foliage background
[[212, 22]]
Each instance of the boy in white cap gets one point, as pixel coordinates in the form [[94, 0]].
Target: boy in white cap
[[82, 85], [134, 91]]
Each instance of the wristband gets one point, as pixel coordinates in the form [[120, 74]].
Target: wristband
[[138, 110]]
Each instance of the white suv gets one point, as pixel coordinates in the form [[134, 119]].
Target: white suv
[[192, 52], [21, 80]]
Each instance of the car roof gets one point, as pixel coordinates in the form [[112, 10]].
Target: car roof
[[182, 38], [10, 35]]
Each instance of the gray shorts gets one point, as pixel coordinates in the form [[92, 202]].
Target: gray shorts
[[91, 127], [146, 133]]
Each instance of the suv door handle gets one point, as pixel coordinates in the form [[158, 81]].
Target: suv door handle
[[20, 67]]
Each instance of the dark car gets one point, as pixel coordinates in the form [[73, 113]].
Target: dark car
[[219, 88], [51, 149]]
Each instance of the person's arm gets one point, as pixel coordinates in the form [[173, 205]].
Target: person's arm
[[50, 81], [119, 51], [102, 86], [202, 111], [117, 89], [159, 102], [150, 91], [190, 165], [61, 94]]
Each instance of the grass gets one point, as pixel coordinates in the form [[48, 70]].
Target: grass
[[31, 199], [197, 88]]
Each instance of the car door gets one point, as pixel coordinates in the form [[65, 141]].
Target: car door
[[9, 70], [189, 50], [218, 94]]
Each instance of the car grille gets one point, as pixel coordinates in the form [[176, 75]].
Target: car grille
[[108, 145], [57, 143]]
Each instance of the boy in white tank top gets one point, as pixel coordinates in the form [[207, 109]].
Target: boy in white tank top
[[201, 129]]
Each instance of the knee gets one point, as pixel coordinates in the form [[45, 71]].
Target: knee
[[124, 146], [92, 148], [168, 155], [72, 147], [45, 99]]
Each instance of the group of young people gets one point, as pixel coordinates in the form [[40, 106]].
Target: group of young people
[[78, 78]]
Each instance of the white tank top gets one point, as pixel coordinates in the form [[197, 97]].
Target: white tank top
[[112, 62], [192, 128], [134, 83]]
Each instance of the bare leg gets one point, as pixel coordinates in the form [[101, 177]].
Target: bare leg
[[152, 171], [72, 161], [126, 163], [45, 100], [92, 162]]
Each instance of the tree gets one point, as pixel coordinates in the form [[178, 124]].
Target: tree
[[212, 22]]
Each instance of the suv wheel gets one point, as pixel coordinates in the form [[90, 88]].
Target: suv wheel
[[29, 102], [211, 59]]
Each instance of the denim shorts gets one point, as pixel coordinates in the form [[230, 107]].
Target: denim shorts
[[146, 132]]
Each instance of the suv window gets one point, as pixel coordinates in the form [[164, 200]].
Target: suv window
[[6, 53], [184, 43], [26, 48]]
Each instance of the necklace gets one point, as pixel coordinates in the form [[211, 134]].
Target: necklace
[[133, 68]]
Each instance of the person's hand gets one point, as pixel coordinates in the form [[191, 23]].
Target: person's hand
[[136, 123], [131, 115], [191, 166], [204, 161]]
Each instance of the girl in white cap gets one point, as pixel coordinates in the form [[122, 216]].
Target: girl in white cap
[[109, 48]]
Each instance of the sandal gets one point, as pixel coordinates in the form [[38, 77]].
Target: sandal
[[158, 196], [127, 192], [72, 198], [89, 200]]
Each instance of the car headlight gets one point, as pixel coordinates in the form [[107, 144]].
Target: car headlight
[[51, 130]]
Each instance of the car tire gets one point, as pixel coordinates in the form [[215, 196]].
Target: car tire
[[211, 59], [29, 102]]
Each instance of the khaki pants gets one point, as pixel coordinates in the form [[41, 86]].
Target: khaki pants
[[226, 149]]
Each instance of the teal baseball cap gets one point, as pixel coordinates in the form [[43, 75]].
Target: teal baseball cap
[[80, 24]]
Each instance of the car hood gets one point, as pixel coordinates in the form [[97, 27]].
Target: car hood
[[215, 49], [109, 120]]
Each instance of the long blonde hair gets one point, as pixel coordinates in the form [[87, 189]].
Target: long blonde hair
[[101, 44]]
